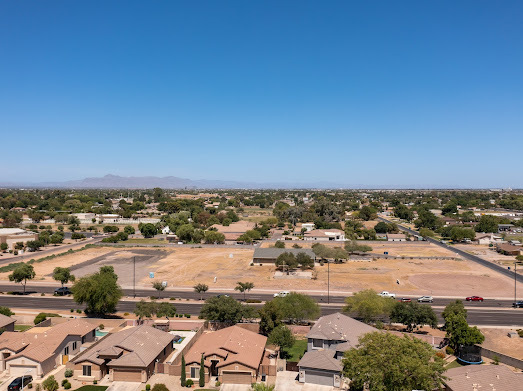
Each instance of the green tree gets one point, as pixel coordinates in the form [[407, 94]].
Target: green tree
[[279, 244], [185, 232], [129, 230], [297, 308], [403, 212], [281, 336], [159, 286], [183, 378], [368, 306], [487, 223], [386, 362], [3, 246], [165, 310], [110, 229], [270, 317], [460, 333], [201, 381], [22, 273], [34, 245], [225, 310], [145, 309], [305, 261], [381, 227], [286, 261], [354, 247], [50, 384], [63, 274], [214, 237], [99, 291], [425, 232], [56, 238], [148, 230], [6, 311], [367, 213], [413, 315], [201, 288], [453, 308], [243, 287], [77, 235]]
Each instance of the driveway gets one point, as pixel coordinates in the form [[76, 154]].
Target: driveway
[[124, 386], [286, 381], [235, 387]]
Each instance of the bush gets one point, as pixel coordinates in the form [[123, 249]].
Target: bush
[[495, 360], [217, 384], [30, 385], [72, 310], [126, 314], [95, 381], [148, 387], [520, 333], [253, 301], [78, 311], [189, 383], [38, 387], [160, 387], [101, 326], [187, 315], [379, 325], [64, 382], [440, 354], [68, 373], [43, 316], [67, 385], [449, 350]]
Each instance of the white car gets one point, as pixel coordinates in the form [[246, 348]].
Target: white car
[[387, 294], [282, 294], [425, 299]]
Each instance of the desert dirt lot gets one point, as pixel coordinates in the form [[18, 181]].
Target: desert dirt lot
[[497, 340], [490, 254], [185, 266]]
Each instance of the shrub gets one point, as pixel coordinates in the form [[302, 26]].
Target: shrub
[[68, 372], [42, 294], [449, 350], [79, 311], [440, 354], [101, 326], [253, 301], [38, 387], [67, 386], [43, 316], [160, 387], [126, 314], [217, 384], [379, 325], [495, 360], [520, 333], [30, 385], [72, 310], [64, 382], [187, 315], [148, 387], [189, 383], [95, 381]]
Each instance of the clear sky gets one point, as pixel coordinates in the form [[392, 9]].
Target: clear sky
[[426, 93]]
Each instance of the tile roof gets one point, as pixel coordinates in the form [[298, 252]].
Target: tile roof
[[5, 320], [139, 347], [234, 343], [41, 346], [339, 327], [320, 359], [484, 377]]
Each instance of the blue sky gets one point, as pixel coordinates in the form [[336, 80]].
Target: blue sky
[[370, 92]]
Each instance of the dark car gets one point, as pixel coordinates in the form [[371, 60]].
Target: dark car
[[474, 298], [405, 300], [518, 304], [62, 291], [18, 383]]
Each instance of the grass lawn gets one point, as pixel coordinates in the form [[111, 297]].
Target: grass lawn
[[146, 241], [92, 388], [22, 327], [297, 350], [454, 364]]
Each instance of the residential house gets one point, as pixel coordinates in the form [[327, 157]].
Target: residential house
[[328, 339], [7, 323], [269, 255], [325, 235], [396, 237], [11, 236], [508, 249], [233, 355], [39, 350], [127, 355], [483, 377]]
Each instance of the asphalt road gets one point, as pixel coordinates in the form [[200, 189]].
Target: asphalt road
[[476, 316], [183, 294], [470, 257]]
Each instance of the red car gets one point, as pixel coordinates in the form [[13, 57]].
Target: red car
[[474, 298]]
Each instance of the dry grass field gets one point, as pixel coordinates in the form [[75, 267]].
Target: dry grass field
[[184, 267]]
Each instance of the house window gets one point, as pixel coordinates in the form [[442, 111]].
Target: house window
[[75, 344], [317, 343], [195, 372], [86, 370], [66, 350]]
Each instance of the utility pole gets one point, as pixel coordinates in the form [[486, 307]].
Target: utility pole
[[328, 281], [515, 283], [134, 277]]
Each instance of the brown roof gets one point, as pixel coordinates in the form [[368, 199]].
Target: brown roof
[[321, 359], [41, 346], [234, 344], [483, 377], [339, 327], [396, 236], [138, 346], [508, 247], [5, 320]]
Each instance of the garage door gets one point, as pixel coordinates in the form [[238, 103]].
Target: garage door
[[233, 377], [132, 376], [19, 370], [318, 377]]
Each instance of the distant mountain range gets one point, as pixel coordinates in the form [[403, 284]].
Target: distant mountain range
[[168, 182]]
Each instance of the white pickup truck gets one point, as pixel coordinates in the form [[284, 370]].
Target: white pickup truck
[[387, 294]]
